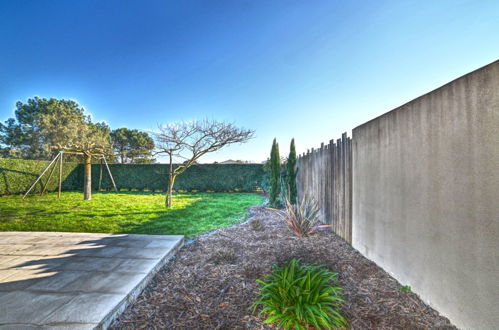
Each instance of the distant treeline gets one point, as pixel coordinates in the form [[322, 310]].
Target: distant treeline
[[40, 124]]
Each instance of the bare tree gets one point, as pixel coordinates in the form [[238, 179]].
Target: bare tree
[[188, 141]]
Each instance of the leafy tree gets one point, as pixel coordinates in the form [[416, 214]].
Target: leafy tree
[[77, 136], [275, 169], [291, 169], [132, 146], [25, 136], [188, 141], [42, 126]]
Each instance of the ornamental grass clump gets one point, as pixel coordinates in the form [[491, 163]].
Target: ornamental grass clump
[[303, 217], [301, 296]]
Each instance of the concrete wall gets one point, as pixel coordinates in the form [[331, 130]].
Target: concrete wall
[[426, 196]]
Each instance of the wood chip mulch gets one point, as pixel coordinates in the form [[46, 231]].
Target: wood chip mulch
[[211, 282]]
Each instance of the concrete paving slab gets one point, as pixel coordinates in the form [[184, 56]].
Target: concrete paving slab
[[141, 253], [65, 326], [12, 248], [84, 308], [5, 273], [21, 279], [28, 262], [30, 307], [135, 265], [104, 282], [6, 260], [89, 263], [54, 280], [58, 281]]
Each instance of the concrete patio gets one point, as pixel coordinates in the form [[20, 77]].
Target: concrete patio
[[75, 280]]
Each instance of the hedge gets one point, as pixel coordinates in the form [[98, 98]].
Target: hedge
[[17, 175], [204, 177]]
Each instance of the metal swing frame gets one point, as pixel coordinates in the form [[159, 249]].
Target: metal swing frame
[[58, 160]]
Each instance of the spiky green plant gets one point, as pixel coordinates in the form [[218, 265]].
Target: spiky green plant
[[303, 218], [301, 296]]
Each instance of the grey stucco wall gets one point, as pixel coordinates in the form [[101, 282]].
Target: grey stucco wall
[[426, 196]]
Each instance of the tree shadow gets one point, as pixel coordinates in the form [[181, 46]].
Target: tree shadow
[[32, 261], [195, 219], [197, 213]]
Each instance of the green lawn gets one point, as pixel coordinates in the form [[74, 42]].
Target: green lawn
[[132, 212]]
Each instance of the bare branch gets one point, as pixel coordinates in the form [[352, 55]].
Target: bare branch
[[193, 139]]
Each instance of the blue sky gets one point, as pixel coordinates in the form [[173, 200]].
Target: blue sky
[[304, 69]]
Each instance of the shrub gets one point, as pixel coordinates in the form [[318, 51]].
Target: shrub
[[291, 173], [275, 175], [303, 217], [300, 296]]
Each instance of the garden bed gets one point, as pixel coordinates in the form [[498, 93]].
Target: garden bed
[[211, 283]]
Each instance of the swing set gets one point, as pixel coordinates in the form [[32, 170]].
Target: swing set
[[58, 161]]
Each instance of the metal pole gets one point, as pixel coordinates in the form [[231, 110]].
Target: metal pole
[[60, 174], [100, 174], [48, 179], [110, 175], [45, 170]]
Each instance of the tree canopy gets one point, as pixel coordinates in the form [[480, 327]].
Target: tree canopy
[[132, 146], [69, 132], [40, 123], [31, 133]]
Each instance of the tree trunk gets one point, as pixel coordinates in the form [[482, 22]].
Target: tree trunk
[[171, 181], [87, 185], [170, 193]]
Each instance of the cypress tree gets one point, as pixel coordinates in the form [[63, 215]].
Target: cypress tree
[[291, 178], [275, 169]]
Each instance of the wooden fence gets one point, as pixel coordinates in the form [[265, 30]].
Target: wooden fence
[[326, 175]]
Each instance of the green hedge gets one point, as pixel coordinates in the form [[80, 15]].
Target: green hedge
[[17, 175], [205, 177]]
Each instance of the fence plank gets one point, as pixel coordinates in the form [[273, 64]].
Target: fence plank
[[326, 174]]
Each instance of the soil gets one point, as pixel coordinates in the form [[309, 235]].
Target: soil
[[211, 282]]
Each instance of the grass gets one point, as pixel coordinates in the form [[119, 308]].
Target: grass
[[125, 212]]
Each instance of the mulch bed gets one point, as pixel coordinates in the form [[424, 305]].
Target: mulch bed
[[211, 282]]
